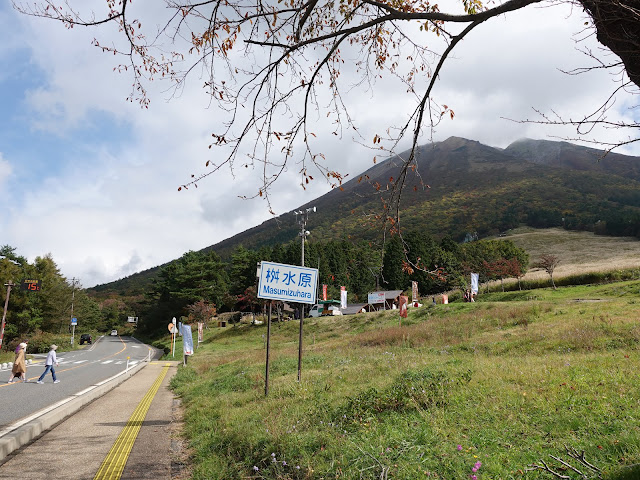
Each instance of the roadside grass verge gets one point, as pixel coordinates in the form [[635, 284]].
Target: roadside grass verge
[[506, 382]]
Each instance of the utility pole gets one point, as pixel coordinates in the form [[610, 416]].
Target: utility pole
[[4, 313], [302, 216], [73, 292]]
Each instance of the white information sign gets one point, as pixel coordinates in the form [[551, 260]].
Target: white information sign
[[288, 283], [375, 297]]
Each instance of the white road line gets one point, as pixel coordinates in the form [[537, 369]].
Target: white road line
[[107, 361]]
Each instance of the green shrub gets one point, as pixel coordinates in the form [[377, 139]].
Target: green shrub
[[40, 342]]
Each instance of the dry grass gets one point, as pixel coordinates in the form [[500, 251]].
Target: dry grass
[[579, 252]]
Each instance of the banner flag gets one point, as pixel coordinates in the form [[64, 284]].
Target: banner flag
[[324, 292], [187, 340], [474, 283], [403, 305], [414, 291], [200, 332], [343, 297]]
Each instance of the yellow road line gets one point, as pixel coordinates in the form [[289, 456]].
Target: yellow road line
[[115, 461]]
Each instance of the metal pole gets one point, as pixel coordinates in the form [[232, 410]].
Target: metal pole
[[304, 216], [174, 342], [303, 224], [302, 234], [4, 313], [73, 293], [266, 368]]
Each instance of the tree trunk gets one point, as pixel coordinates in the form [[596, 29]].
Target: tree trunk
[[617, 24]]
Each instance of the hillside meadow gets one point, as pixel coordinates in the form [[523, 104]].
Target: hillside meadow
[[480, 390], [578, 251]]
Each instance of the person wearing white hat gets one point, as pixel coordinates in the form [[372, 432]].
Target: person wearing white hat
[[48, 365]]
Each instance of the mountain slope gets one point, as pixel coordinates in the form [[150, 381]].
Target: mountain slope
[[473, 188]]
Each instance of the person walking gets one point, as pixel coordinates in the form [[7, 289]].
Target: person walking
[[19, 364], [51, 359]]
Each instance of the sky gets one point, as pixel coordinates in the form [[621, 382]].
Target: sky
[[92, 179]]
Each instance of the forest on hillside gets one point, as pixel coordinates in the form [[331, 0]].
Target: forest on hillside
[[49, 305], [200, 284]]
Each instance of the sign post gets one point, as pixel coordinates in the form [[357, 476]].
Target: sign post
[[266, 367], [74, 322], [288, 283], [173, 330]]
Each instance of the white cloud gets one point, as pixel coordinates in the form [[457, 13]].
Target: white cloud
[[111, 206], [5, 170]]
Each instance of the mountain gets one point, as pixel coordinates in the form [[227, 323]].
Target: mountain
[[473, 188], [462, 186], [568, 155]]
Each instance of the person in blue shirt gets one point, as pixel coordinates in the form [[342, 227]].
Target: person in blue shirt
[[51, 360]]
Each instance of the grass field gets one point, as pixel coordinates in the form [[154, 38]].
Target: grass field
[[483, 390], [578, 251]]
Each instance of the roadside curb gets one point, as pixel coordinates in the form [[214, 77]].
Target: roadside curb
[[43, 420]]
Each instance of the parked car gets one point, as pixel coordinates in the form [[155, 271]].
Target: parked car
[[85, 338], [114, 333], [318, 310]]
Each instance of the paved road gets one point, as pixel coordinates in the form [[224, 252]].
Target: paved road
[[126, 433], [78, 370]]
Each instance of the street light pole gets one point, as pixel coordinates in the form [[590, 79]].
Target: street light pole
[[302, 221]]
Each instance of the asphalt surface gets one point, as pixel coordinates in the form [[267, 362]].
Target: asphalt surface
[[135, 412], [77, 371]]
